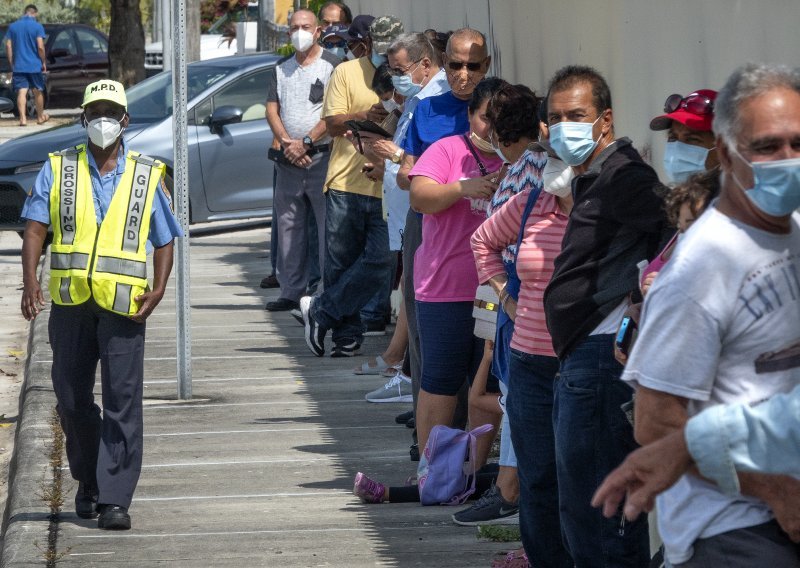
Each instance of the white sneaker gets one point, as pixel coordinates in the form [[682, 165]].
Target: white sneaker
[[397, 389]]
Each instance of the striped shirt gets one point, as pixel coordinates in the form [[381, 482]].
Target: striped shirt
[[541, 243]]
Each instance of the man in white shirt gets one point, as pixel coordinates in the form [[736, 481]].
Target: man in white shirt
[[720, 322]]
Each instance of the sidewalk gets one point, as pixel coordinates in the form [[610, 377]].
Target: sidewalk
[[257, 469]]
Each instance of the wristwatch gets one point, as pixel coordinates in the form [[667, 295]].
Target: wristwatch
[[307, 141], [397, 156]]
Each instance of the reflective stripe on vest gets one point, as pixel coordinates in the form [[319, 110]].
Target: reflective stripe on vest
[[63, 291], [68, 195], [133, 222], [132, 268], [122, 298], [66, 261]]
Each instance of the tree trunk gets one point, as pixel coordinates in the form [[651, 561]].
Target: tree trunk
[[126, 42], [192, 30]]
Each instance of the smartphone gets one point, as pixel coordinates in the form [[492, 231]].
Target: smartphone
[[626, 335]]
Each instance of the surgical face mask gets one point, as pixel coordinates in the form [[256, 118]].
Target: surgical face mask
[[573, 141], [405, 86], [350, 55], [481, 144], [377, 59], [390, 104], [682, 160], [337, 52], [557, 177], [302, 40], [104, 131], [776, 187]]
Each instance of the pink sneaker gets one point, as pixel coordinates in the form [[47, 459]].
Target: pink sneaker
[[367, 490]]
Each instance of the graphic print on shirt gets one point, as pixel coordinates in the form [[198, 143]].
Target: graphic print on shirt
[[769, 291]]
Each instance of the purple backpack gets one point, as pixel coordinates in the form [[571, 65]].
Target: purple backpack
[[446, 472]]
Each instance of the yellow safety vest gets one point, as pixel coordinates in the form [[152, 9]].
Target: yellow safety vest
[[107, 262]]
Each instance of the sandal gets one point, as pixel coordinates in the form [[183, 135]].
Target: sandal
[[377, 369], [514, 559]]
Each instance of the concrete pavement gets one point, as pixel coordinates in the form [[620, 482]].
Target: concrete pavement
[[257, 469]]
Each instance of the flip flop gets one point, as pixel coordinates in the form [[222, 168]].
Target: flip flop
[[46, 118], [367, 369], [23, 124]]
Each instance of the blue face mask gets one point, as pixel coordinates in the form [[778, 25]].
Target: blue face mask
[[377, 59], [682, 160], [573, 141], [776, 189], [405, 86], [337, 52]]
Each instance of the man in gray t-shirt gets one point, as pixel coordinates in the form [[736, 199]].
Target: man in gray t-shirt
[[720, 325], [295, 90]]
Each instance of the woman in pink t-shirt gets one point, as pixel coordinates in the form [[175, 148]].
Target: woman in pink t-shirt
[[451, 184]]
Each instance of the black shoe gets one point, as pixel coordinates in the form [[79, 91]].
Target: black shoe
[[412, 423], [86, 502], [114, 518], [282, 305], [414, 452], [314, 333], [270, 281], [404, 417], [350, 349]]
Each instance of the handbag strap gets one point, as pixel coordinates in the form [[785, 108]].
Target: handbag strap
[[481, 167], [533, 197]]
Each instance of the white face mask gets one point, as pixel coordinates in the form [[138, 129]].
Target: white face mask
[[390, 104], [104, 131], [557, 177], [302, 40]]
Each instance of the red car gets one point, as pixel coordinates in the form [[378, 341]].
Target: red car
[[76, 56]]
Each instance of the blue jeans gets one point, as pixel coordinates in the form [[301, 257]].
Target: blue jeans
[[593, 437], [379, 307], [530, 413], [356, 262]]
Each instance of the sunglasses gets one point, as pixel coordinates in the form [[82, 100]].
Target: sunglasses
[[695, 104], [459, 65]]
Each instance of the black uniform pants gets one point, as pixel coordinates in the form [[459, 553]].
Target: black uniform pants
[[103, 452]]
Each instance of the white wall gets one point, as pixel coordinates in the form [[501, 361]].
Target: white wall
[[646, 49]]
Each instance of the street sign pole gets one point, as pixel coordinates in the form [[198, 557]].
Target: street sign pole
[[181, 190]]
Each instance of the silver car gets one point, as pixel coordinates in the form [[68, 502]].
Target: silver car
[[229, 174]]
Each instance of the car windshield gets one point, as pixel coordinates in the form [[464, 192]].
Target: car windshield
[[151, 100]]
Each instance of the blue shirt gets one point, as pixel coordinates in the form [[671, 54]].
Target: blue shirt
[[163, 225], [23, 34], [764, 438], [435, 118]]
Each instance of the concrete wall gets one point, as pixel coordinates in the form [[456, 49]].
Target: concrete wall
[[647, 49]]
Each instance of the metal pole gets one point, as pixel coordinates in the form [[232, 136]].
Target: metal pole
[[181, 184], [166, 32]]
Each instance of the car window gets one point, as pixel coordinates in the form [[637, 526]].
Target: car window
[[151, 100], [247, 93], [64, 42], [91, 43]]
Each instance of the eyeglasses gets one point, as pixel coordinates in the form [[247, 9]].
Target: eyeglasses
[[471, 66], [399, 71], [695, 104]]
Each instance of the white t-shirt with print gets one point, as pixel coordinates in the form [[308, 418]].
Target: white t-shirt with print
[[717, 327]]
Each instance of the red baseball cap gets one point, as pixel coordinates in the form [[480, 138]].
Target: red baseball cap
[[695, 110]]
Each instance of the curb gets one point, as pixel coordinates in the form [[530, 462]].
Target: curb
[[26, 519]]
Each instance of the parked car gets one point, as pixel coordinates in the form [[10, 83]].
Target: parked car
[[212, 46], [229, 175], [76, 55]]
